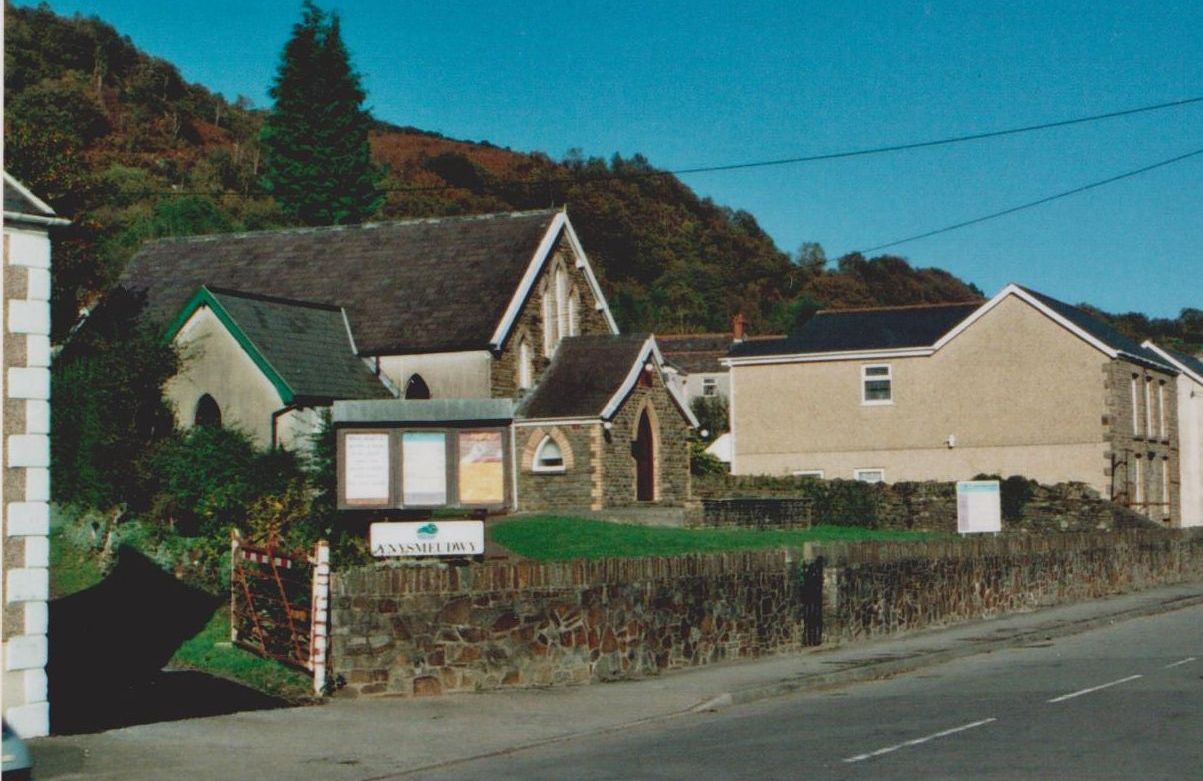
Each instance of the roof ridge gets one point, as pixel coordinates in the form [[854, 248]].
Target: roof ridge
[[301, 230], [225, 291], [973, 302]]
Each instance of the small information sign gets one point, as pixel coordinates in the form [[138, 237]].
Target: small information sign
[[979, 506], [428, 538]]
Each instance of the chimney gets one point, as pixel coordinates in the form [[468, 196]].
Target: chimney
[[737, 328]]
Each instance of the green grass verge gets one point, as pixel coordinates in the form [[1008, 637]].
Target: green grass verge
[[212, 652], [72, 569], [551, 538]]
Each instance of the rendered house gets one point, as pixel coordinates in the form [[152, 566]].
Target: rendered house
[[25, 450], [1190, 430], [276, 325], [1021, 384]]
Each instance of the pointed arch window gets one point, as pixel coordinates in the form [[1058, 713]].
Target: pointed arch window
[[207, 412], [549, 323], [562, 319], [417, 388], [526, 370], [549, 457], [574, 312]]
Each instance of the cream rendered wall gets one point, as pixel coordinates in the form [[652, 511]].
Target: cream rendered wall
[[692, 387], [460, 375], [1021, 395], [1190, 443], [214, 363]]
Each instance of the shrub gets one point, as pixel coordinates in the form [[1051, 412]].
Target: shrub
[[1015, 493], [702, 463], [210, 476]]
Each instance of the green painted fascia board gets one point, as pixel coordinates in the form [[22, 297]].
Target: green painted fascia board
[[204, 297]]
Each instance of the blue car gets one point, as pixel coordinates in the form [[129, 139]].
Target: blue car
[[17, 764]]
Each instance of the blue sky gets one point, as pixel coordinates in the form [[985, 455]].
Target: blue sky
[[701, 82]]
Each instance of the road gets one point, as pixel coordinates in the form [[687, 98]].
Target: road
[[1123, 702]]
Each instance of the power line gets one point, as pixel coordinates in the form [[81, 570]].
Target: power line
[[1039, 202], [585, 179]]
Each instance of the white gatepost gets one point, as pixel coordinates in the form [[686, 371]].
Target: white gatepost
[[319, 622]]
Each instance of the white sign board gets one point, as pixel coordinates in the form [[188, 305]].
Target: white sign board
[[366, 468], [979, 506], [428, 538]]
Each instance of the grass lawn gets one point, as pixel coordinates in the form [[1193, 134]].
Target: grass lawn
[[550, 538], [71, 568], [212, 652]]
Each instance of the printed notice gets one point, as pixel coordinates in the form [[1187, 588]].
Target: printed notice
[[365, 469], [481, 469], [423, 468]]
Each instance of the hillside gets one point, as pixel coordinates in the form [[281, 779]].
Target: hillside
[[122, 144]]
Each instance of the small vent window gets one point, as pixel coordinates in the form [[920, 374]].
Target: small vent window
[[549, 457]]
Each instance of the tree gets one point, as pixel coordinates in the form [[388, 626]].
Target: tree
[[317, 160]]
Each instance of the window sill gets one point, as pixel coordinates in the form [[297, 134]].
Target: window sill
[[888, 403], [558, 471]]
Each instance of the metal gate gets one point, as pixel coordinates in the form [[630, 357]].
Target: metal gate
[[279, 605], [812, 602]]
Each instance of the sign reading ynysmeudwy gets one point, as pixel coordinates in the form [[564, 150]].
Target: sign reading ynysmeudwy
[[979, 506], [428, 538]]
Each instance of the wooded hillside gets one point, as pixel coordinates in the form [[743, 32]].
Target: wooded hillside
[[120, 143]]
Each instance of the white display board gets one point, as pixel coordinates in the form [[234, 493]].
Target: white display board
[[423, 468], [428, 538], [366, 468], [979, 506]]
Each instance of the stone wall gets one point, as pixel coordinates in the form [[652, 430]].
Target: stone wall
[[529, 323], [1130, 438], [793, 503], [428, 629], [577, 487], [885, 588], [431, 629]]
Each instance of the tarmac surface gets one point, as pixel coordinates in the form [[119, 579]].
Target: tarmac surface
[[385, 738]]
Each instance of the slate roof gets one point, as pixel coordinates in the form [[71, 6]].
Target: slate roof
[[1192, 362], [1101, 331], [584, 375], [407, 287], [695, 353], [845, 330], [306, 345]]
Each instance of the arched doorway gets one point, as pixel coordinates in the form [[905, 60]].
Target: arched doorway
[[417, 388], [207, 412], [644, 450]]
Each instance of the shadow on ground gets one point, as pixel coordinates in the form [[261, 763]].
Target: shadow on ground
[[108, 646]]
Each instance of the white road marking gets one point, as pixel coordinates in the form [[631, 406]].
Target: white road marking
[[1071, 695], [1180, 661], [917, 741]]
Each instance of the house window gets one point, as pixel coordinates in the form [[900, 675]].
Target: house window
[[561, 279], [709, 386], [869, 475], [549, 457], [1138, 490], [525, 365], [876, 384], [1149, 407], [207, 412], [815, 473], [1162, 427], [417, 388], [1165, 488], [1135, 409]]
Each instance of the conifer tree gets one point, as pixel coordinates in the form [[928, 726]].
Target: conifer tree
[[317, 161]]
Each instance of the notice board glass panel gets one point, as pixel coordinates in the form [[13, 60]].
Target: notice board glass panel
[[366, 469], [423, 468], [481, 468]]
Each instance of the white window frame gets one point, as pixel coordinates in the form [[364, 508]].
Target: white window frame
[[709, 387], [860, 474], [561, 293], [549, 323], [1135, 409], [574, 312], [816, 473], [1165, 487], [866, 378], [537, 465], [1138, 492]]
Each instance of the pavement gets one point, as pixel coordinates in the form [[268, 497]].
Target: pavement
[[388, 738]]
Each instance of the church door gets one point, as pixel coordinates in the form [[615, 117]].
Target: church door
[[644, 450]]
